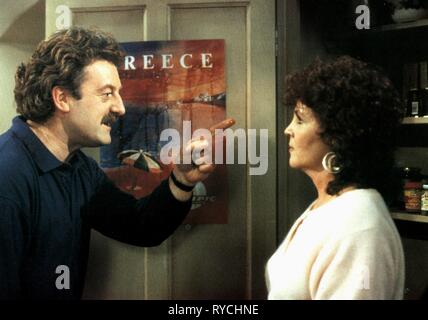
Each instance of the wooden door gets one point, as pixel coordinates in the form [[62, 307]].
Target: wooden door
[[198, 261]]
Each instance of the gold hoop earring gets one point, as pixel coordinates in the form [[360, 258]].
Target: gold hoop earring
[[328, 163]]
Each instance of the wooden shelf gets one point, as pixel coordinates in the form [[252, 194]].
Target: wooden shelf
[[402, 26], [411, 226], [409, 217], [413, 133], [421, 25], [415, 120]]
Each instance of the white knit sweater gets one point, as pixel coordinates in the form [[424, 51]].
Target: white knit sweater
[[349, 248]]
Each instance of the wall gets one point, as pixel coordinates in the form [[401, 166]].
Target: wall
[[21, 28], [299, 42]]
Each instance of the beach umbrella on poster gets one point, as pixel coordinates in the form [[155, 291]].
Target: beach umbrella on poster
[[141, 160]]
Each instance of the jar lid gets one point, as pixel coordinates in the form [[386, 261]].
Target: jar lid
[[413, 185]]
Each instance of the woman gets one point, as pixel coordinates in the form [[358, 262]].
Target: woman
[[345, 245]]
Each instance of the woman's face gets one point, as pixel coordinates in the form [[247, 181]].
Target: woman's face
[[305, 145]]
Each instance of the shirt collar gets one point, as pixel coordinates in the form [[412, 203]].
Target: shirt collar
[[44, 159]]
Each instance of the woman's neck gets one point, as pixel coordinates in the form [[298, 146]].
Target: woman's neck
[[321, 179]]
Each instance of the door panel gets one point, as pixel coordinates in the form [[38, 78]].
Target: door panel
[[125, 23], [199, 261], [216, 247]]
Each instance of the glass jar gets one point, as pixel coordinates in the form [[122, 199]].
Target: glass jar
[[424, 199], [412, 196], [401, 177]]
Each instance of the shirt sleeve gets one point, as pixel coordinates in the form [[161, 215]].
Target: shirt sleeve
[[13, 231], [145, 222], [362, 265]]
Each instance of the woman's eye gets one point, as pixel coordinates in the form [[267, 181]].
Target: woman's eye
[[298, 121]]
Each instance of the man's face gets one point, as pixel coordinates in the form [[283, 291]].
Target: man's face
[[90, 118]]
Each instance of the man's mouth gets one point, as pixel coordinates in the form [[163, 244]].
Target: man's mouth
[[109, 120]]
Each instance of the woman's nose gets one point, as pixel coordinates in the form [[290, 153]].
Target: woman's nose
[[288, 131]]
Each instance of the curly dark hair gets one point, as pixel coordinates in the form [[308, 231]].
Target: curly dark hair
[[59, 61], [359, 111]]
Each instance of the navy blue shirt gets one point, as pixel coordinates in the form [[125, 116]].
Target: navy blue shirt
[[47, 208]]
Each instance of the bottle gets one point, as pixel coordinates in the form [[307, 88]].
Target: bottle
[[423, 93], [424, 199], [411, 79], [413, 103]]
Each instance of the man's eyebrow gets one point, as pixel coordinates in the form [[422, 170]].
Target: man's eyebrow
[[109, 86]]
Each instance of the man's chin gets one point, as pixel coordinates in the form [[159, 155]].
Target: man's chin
[[105, 142], [99, 142]]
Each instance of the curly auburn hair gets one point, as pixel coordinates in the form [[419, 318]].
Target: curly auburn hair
[[359, 112], [60, 61]]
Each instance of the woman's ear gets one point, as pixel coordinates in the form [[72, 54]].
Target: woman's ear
[[61, 99], [335, 145]]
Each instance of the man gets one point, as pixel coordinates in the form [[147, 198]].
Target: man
[[51, 194]]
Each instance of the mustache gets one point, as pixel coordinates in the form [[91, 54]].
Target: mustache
[[109, 119]]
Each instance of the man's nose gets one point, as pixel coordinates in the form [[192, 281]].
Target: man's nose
[[119, 107]]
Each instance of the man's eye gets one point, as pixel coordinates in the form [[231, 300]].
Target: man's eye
[[108, 94]]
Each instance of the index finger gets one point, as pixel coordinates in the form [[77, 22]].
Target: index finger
[[223, 125]]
